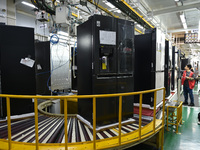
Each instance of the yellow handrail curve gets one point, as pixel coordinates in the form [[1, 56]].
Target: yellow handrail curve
[[94, 97]]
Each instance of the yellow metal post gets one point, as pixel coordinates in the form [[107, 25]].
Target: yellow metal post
[[162, 141], [163, 121], [163, 113], [65, 115], [120, 118], [154, 111], [8, 122], [94, 123], [140, 116], [167, 117], [181, 114], [177, 119], [36, 123]]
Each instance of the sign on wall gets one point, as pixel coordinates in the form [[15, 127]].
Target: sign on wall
[[191, 38]]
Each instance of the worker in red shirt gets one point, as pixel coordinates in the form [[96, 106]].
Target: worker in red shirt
[[188, 82]]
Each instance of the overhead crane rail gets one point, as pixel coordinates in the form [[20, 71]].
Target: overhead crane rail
[[129, 11]]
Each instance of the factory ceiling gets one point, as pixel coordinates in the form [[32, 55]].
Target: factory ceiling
[[164, 14]]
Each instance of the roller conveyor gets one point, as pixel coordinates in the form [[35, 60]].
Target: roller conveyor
[[51, 130]]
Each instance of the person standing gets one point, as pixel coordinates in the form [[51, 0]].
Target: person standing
[[188, 82]]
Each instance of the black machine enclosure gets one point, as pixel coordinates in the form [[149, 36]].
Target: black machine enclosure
[[167, 69], [105, 68], [148, 68], [174, 70], [16, 43]]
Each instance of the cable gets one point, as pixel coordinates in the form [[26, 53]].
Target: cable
[[54, 39], [88, 9], [56, 91], [97, 4], [53, 69], [50, 78]]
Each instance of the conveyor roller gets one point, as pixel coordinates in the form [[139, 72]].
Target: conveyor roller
[[51, 130]]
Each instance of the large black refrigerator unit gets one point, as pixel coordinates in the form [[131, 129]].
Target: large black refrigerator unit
[[167, 68], [43, 67], [149, 64], [105, 54], [17, 45], [174, 70]]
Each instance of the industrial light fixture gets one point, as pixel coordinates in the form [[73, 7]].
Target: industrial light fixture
[[183, 20], [28, 4], [109, 4]]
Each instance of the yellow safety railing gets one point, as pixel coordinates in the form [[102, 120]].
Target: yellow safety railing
[[94, 97], [178, 116]]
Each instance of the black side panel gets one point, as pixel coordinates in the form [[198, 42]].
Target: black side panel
[[144, 73], [173, 68], [104, 81], [17, 43], [167, 69], [42, 61], [84, 64]]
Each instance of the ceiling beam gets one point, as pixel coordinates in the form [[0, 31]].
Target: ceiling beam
[[175, 9]]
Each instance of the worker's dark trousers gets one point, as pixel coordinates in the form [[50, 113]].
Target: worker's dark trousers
[[187, 90]]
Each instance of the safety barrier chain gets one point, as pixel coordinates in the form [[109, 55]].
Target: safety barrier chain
[[94, 97]]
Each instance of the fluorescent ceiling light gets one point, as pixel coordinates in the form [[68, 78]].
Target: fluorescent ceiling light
[[28, 4], [184, 25], [109, 4], [183, 20]]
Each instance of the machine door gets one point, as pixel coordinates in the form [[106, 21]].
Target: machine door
[[125, 47], [173, 68], [104, 46], [106, 107], [124, 86]]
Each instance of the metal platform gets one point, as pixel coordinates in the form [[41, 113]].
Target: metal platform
[[51, 130]]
